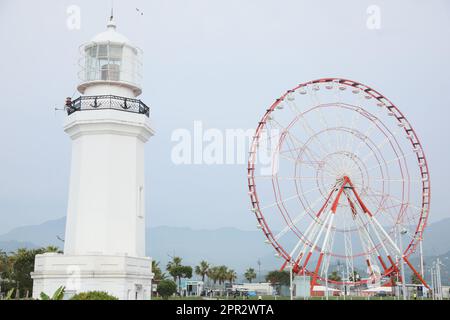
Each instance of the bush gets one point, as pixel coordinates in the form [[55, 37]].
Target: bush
[[93, 295], [166, 288]]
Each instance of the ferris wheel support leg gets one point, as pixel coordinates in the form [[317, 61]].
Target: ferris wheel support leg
[[310, 231], [403, 257], [316, 271], [415, 272], [380, 258], [331, 216], [325, 242], [319, 235]]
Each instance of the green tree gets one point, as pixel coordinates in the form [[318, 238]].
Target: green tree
[[231, 276], [213, 274], [280, 278], [158, 275], [202, 269], [334, 276], [415, 279], [166, 288], [3, 261], [178, 271], [93, 295], [172, 267], [250, 274], [222, 274], [21, 266]]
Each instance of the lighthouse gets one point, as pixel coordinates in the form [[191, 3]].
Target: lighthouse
[[104, 245]]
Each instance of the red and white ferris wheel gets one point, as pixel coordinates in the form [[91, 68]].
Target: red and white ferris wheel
[[337, 177]]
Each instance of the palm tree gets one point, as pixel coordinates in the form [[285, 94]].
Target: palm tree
[[250, 274], [213, 274], [202, 269], [222, 274], [231, 276], [158, 274], [52, 249], [172, 266]]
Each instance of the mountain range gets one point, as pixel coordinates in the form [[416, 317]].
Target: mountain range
[[235, 248]]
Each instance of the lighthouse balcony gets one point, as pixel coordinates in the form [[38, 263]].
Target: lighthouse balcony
[[85, 103]]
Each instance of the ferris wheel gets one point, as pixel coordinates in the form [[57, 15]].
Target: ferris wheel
[[337, 177]]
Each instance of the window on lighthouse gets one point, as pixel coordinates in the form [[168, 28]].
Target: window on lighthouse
[[103, 62]]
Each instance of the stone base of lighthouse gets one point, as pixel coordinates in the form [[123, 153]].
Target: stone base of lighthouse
[[127, 278]]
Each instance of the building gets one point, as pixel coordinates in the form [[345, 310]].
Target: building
[[264, 288], [191, 287], [104, 246]]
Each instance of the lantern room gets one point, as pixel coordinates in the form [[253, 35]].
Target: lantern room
[[110, 64]]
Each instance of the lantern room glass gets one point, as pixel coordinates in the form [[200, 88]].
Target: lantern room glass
[[110, 62]]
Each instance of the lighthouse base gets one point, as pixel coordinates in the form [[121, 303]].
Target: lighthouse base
[[127, 278]]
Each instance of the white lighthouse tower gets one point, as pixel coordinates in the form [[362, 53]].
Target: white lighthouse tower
[[104, 248]]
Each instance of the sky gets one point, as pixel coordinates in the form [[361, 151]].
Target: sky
[[219, 62]]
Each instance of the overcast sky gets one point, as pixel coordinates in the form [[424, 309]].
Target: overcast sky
[[221, 62]]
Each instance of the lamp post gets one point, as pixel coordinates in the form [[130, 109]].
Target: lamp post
[[402, 266], [432, 282], [422, 271], [291, 289]]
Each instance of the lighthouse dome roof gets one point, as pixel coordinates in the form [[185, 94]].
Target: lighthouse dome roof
[[110, 35]]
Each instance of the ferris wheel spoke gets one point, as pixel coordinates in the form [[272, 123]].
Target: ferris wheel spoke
[[325, 124], [408, 204], [366, 135], [403, 156], [316, 239], [386, 141], [381, 241], [328, 255], [307, 150], [368, 236], [305, 147], [381, 207], [341, 141], [308, 128], [305, 237], [366, 249], [298, 219], [348, 247], [312, 164], [296, 196]]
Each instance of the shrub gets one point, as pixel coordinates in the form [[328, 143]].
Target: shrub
[[93, 295], [166, 288]]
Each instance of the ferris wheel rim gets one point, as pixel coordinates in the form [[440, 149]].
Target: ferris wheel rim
[[421, 158]]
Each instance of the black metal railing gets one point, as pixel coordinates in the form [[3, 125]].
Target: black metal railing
[[107, 102]]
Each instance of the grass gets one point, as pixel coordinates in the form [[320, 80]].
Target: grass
[[230, 298]]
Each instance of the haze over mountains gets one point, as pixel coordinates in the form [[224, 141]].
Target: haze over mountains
[[235, 248]]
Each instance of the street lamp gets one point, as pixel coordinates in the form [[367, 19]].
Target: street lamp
[[402, 266], [422, 272], [291, 289]]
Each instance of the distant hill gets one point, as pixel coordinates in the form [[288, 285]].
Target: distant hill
[[11, 245], [437, 238], [230, 246], [43, 234]]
